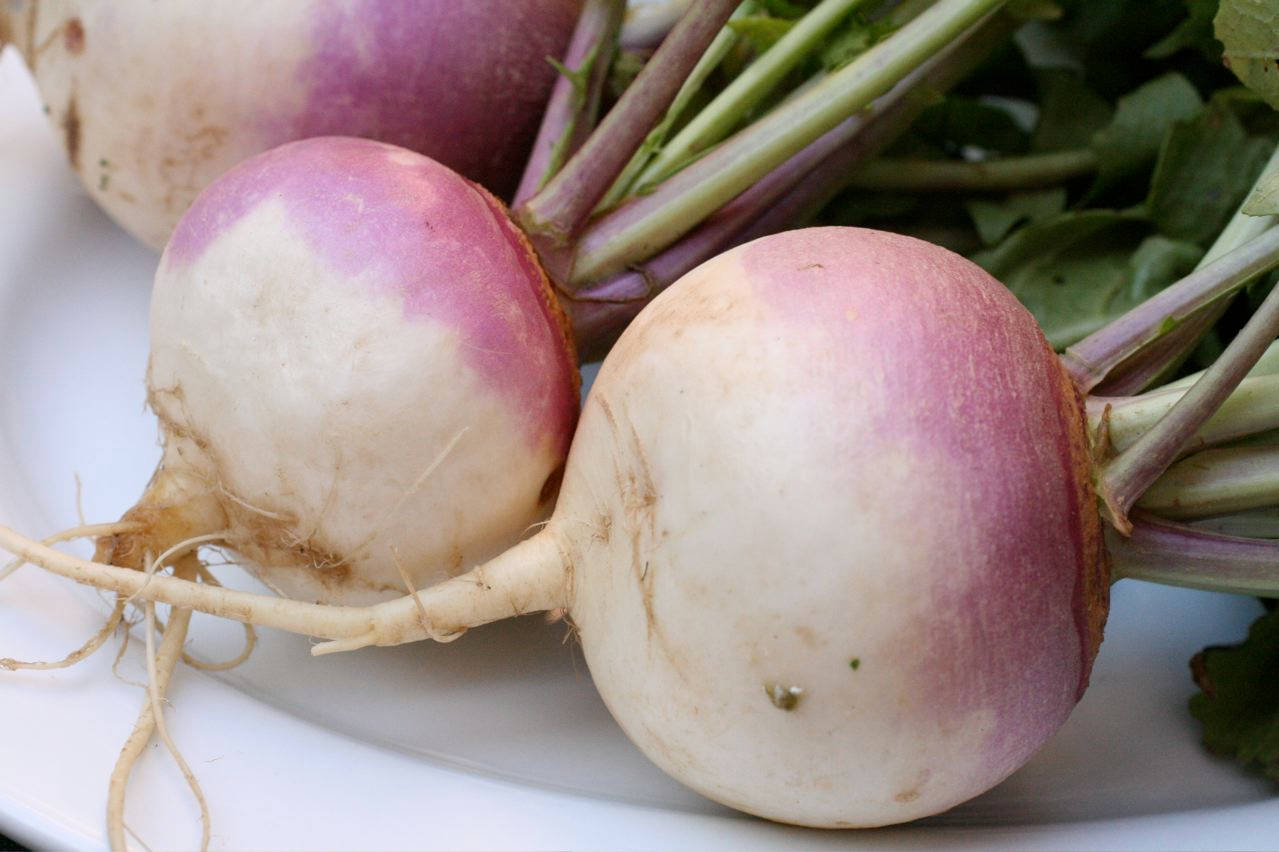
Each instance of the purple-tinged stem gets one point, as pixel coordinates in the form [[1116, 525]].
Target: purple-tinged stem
[[1147, 364], [600, 312], [1173, 554], [1091, 359], [555, 212], [648, 224], [575, 99], [1124, 478], [649, 22], [1156, 363]]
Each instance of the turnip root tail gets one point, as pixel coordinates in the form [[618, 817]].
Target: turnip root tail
[[172, 519], [532, 576], [160, 666]]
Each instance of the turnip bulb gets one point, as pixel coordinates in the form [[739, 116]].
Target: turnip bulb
[[155, 100], [357, 366], [828, 534]]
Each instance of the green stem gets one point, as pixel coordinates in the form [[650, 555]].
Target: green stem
[[1216, 482], [1252, 408], [710, 60], [1124, 478], [748, 90], [1267, 364], [652, 222], [1000, 175], [1253, 523]]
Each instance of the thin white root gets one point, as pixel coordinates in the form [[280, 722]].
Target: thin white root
[[529, 577], [410, 491], [79, 499], [247, 607], [337, 646], [250, 638], [245, 504], [95, 642], [82, 531], [411, 591], [180, 549], [138, 840], [160, 667], [129, 624]]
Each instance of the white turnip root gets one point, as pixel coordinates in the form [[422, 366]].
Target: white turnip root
[[329, 371], [155, 100]]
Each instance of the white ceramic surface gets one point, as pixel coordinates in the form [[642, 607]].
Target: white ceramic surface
[[496, 741]]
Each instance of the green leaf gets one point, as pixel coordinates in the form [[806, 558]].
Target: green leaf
[[1035, 10], [1264, 200], [1193, 33], [1130, 143], [1109, 38], [1080, 270], [957, 122], [761, 31], [995, 219], [625, 68], [1206, 166], [1158, 262], [787, 9], [851, 39], [1249, 31], [1070, 113], [1239, 704]]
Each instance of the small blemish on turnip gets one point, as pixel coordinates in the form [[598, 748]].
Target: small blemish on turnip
[[783, 697], [71, 133], [73, 36]]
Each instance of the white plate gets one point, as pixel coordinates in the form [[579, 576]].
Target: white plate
[[496, 741]]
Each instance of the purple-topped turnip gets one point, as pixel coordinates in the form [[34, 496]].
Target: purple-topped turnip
[[154, 101], [339, 307]]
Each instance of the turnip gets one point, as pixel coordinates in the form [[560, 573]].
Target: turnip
[[828, 534], [339, 306], [154, 101]]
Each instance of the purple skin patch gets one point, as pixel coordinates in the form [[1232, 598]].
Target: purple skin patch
[[469, 94], [966, 375], [423, 230]]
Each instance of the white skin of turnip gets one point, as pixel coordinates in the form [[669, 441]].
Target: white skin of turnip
[[826, 534], [831, 561], [357, 368], [154, 100]]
